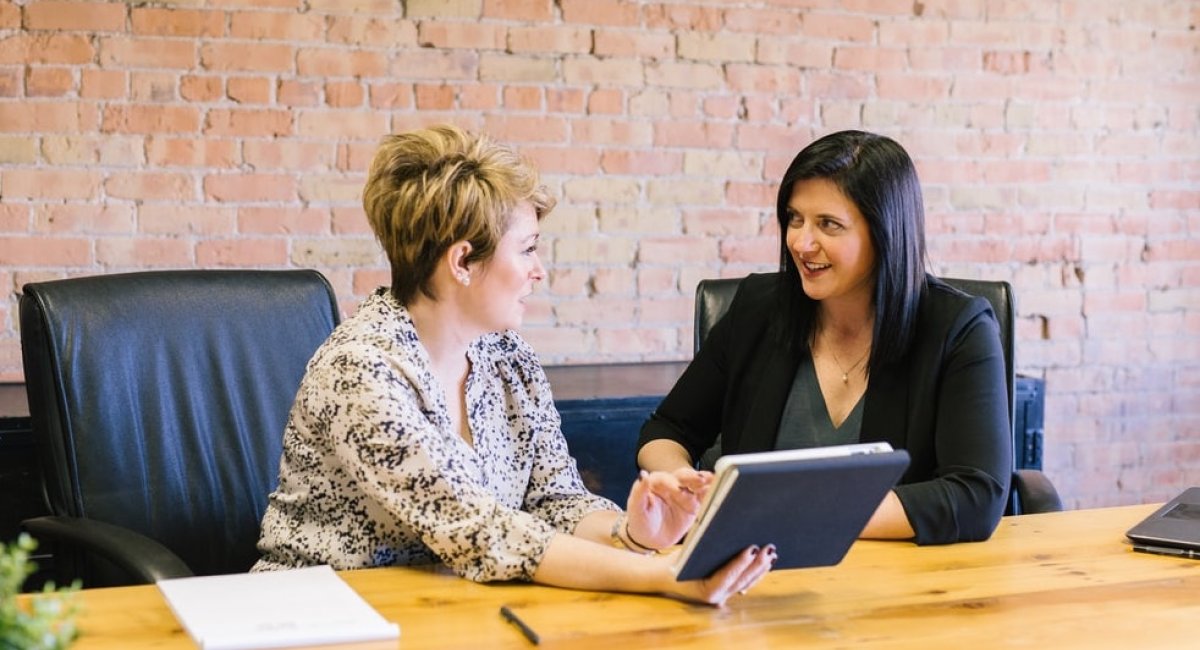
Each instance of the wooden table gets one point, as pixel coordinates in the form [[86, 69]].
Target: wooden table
[[1061, 580]]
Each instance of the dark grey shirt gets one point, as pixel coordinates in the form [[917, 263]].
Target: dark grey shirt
[[806, 422]]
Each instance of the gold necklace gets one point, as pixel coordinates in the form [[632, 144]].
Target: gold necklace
[[845, 372]]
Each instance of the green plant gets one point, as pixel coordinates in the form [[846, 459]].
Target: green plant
[[46, 620]]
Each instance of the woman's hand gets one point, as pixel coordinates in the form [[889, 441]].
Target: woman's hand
[[736, 577], [663, 505]]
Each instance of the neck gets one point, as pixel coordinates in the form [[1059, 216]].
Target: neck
[[846, 322], [442, 333]]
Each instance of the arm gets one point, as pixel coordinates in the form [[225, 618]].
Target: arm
[[971, 440], [580, 564]]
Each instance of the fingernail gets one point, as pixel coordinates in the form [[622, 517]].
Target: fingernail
[[753, 551]]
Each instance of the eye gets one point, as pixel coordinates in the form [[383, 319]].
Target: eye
[[794, 220], [830, 224]]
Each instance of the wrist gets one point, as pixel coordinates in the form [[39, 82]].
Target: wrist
[[619, 534]]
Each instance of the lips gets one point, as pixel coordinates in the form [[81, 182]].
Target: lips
[[814, 267]]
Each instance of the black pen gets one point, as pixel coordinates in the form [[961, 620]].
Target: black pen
[[1167, 550], [515, 620]]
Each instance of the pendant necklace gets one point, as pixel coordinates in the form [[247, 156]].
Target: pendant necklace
[[846, 371]]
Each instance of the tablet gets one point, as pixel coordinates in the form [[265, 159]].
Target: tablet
[[810, 503]]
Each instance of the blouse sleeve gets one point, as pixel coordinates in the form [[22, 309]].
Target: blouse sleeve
[[390, 449], [556, 492], [972, 443]]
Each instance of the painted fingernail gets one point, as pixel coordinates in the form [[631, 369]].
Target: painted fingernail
[[753, 551]]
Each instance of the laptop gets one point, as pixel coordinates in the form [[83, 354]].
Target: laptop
[[1173, 529]]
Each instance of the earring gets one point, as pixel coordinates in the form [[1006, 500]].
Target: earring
[[465, 279]]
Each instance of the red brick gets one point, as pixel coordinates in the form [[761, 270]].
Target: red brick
[[363, 31], [352, 221], [177, 22], [438, 65], [242, 187], [122, 51], [84, 219], [400, 95], [153, 87], [682, 17], [10, 15], [344, 94], [140, 253], [447, 35], [174, 219], [785, 22], [839, 27], [152, 186], [46, 47], [51, 252], [298, 93], [10, 83], [557, 39], [275, 26], [169, 151], [75, 16], [257, 57], [642, 163], [526, 129], [523, 98], [615, 13], [150, 119], [201, 89], [775, 80], [249, 90], [14, 218], [248, 122], [681, 133], [563, 160], [283, 221], [571, 100], [519, 10], [48, 82], [330, 62], [106, 150], [645, 45], [49, 184], [643, 342], [430, 97], [288, 155], [342, 124]]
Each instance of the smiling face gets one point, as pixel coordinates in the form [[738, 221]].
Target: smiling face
[[830, 242], [500, 285]]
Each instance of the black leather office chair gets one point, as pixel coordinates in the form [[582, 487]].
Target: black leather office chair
[[1031, 490], [158, 402]]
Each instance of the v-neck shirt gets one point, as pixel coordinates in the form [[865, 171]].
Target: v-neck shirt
[[806, 421]]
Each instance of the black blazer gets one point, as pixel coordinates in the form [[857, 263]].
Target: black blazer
[[946, 403]]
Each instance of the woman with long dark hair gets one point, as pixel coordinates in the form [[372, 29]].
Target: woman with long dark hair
[[854, 341]]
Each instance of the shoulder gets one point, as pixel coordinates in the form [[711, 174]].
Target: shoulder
[[509, 353], [948, 310]]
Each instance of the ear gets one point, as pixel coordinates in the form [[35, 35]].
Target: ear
[[456, 259]]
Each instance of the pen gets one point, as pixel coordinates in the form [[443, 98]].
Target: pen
[[1167, 550], [515, 620]]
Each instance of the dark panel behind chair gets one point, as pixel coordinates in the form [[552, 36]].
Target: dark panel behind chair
[[1031, 490], [158, 402]]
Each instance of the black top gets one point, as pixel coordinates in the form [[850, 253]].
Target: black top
[[946, 403]]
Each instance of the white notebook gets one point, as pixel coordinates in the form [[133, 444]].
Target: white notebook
[[274, 609]]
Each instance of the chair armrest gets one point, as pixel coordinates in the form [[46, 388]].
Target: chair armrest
[[142, 558], [1035, 492]]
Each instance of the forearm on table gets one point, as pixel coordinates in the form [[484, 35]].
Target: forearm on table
[[889, 521], [578, 563], [663, 455]]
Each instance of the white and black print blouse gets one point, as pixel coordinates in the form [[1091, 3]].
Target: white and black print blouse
[[373, 475]]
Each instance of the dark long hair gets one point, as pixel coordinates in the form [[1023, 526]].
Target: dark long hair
[[876, 174]]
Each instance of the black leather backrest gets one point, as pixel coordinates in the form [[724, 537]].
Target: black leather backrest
[[159, 398], [712, 301]]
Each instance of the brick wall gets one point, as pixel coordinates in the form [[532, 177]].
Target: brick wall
[[1057, 141]]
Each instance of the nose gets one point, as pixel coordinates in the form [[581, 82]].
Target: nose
[[803, 240], [539, 272]]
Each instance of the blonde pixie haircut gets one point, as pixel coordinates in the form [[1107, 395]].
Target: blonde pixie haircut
[[430, 188]]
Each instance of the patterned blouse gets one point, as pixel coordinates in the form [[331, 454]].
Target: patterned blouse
[[373, 475]]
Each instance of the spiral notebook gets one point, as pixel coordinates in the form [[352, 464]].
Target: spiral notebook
[[810, 503]]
